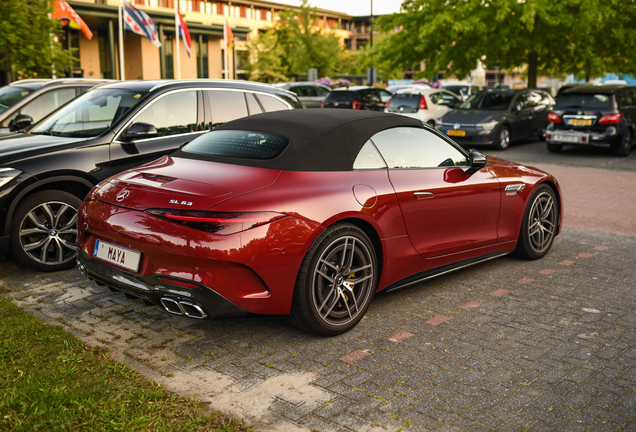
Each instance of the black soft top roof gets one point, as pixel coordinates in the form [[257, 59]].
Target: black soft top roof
[[319, 139]]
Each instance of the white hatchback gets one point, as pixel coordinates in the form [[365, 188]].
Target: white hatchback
[[425, 104]]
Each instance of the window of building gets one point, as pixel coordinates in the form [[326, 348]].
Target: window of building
[[169, 56], [104, 56], [201, 43]]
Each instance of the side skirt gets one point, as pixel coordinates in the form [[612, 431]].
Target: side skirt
[[439, 271]]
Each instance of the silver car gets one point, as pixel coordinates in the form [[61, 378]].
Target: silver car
[[311, 94]]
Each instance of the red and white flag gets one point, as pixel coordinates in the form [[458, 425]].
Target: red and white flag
[[138, 22]]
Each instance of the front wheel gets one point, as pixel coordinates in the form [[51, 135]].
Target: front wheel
[[539, 225], [44, 230], [336, 282], [502, 142]]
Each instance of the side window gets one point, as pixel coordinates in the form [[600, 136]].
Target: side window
[[252, 105], [369, 158], [271, 104], [305, 91], [321, 91], [522, 101], [628, 98], [534, 98], [406, 147], [172, 114], [371, 96], [384, 95], [449, 99], [226, 106], [46, 103], [436, 98]]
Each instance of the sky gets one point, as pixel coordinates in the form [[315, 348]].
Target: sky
[[352, 7]]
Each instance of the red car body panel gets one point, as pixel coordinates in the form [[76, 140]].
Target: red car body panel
[[256, 269]]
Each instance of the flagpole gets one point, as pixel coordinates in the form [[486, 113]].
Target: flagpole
[[176, 31], [227, 66], [121, 43]]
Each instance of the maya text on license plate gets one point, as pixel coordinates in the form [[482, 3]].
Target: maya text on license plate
[[118, 255]]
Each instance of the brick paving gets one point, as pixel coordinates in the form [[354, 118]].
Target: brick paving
[[556, 353]]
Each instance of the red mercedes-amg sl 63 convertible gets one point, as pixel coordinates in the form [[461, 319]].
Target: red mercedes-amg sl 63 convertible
[[308, 214]]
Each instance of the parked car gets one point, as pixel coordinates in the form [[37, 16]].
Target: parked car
[[593, 115], [26, 102], [424, 104], [309, 213], [357, 98], [311, 94], [565, 87], [498, 117], [44, 174], [464, 91]]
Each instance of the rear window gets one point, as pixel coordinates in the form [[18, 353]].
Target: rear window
[[238, 144], [404, 103], [584, 100], [341, 96]]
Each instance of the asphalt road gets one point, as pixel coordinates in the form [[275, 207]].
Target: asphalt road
[[510, 345]]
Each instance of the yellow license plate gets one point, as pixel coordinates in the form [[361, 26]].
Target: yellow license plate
[[580, 122], [456, 133]]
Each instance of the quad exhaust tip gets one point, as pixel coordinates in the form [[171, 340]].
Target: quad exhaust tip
[[183, 307]]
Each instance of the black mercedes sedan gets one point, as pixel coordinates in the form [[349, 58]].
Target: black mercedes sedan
[[498, 117]]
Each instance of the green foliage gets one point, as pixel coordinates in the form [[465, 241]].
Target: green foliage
[[51, 381], [587, 37], [296, 43], [27, 42]]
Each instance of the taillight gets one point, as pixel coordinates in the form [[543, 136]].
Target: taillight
[[423, 103], [554, 118], [356, 104], [611, 119], [222, 223], [386, 106]]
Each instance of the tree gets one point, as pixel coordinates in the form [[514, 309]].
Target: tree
[[297, 43], [565, 36], [27, 42]]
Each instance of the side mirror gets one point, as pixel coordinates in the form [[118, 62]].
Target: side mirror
[[22, 121], [476, 161], [139, 131]]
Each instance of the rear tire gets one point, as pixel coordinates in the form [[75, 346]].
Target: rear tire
[[626, 144], [502, 142], [555, 148], [336, 282], [44, 231], [539, 225]]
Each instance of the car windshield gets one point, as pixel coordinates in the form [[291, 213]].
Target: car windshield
[[488, 101], [583, 100], [10, 95], [341, 96], [90, 114]]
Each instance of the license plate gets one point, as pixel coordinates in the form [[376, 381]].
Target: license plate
[[567, 138], [123, 257], [459, 133], [580, 122]]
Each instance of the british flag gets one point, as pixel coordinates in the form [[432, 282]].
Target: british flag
[[138, 22]]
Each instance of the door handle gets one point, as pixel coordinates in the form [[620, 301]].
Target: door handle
[[422, 195]]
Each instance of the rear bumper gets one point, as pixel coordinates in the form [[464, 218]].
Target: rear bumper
[[155, 289], [607, 138]]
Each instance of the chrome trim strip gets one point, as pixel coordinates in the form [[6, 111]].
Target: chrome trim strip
[[424, 194], [449, 271], [515, 187]]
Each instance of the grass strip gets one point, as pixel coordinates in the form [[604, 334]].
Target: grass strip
[[51, 381]]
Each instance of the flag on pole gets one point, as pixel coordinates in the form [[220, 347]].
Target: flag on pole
[[184, 32], [228, 35], [138, 22], [64, 12]]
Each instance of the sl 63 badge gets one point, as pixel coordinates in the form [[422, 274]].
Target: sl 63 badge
[[185, 203]]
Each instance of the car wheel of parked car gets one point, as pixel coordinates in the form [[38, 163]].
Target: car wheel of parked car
[[336, 282], [626, 144], [555, 148], [503, 138], [540, 224], [44, 230]]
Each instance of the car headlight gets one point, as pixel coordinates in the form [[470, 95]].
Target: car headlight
[[487, 126], [8, 174]]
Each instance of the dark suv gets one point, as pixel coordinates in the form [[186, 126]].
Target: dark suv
[[592, 115], [357, 97], [26, 102], [45, 173]]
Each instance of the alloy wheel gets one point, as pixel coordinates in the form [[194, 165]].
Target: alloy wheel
[[343, 281], [504, 138], [48, 233], [542, 222]]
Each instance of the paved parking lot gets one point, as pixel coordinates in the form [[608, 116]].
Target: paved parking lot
[[507, 345]]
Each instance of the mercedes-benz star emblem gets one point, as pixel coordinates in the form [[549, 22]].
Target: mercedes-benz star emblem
[[123, 195], [456, 126]]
